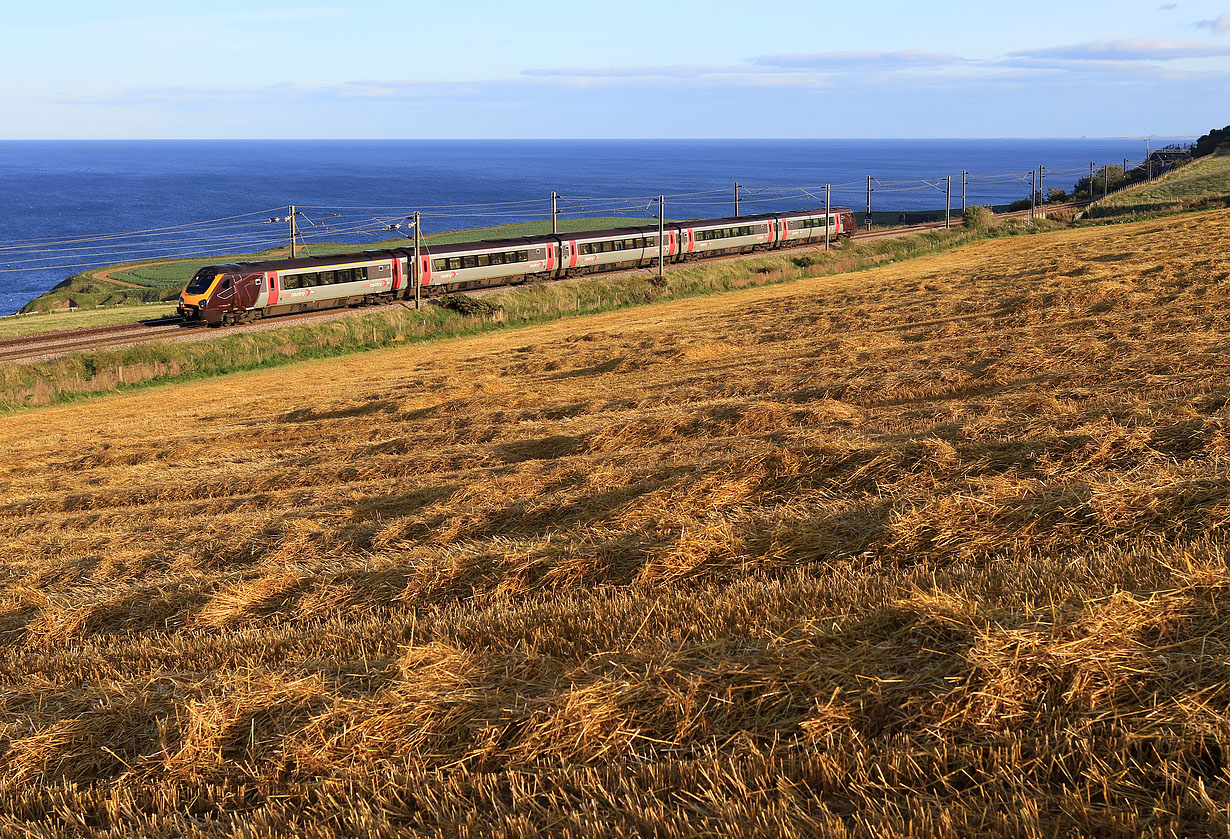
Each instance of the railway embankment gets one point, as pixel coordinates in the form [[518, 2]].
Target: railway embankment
[[45, 382]]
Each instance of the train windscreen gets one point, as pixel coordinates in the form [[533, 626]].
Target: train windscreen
[[200, 283]]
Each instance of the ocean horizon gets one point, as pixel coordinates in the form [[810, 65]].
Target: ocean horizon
[[68, 189]]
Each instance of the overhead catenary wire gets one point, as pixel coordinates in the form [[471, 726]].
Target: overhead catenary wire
[[249, 230], [168, 230]]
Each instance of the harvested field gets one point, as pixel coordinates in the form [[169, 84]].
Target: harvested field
[[934, 549]]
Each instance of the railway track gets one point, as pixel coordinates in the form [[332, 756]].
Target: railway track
[[51, 344]]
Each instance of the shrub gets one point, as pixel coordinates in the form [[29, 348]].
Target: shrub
[[979, 218], [1212, 142], [463, 304]]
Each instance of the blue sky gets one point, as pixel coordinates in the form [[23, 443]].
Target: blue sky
[[783, 68]]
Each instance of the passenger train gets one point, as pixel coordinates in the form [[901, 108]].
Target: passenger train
[[236, 293]]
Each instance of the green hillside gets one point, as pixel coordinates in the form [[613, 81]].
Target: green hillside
[[1203, 180]]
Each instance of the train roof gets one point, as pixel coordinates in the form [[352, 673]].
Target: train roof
[[322, 261], [490, 244], [611, 231]]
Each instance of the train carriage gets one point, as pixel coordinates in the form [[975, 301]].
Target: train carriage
[[806, 226], [713, 237], [492, 262], [230, 293], [609, 250]]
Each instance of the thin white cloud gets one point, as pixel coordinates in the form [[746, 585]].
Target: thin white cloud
[[1112, 62], [1125, 50], [1219, 24], [672, 71], [857, 60]]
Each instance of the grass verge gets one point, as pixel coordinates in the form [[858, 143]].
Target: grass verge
[[15, 326]]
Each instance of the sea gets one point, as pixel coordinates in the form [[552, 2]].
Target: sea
[[69, 205]]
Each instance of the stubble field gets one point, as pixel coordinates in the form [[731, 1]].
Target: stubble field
[[932, 549]]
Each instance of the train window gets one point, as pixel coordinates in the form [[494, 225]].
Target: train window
[[343, 276], [439, 264], [469, 262], [482, 260], [325, 278], [524, 256]]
